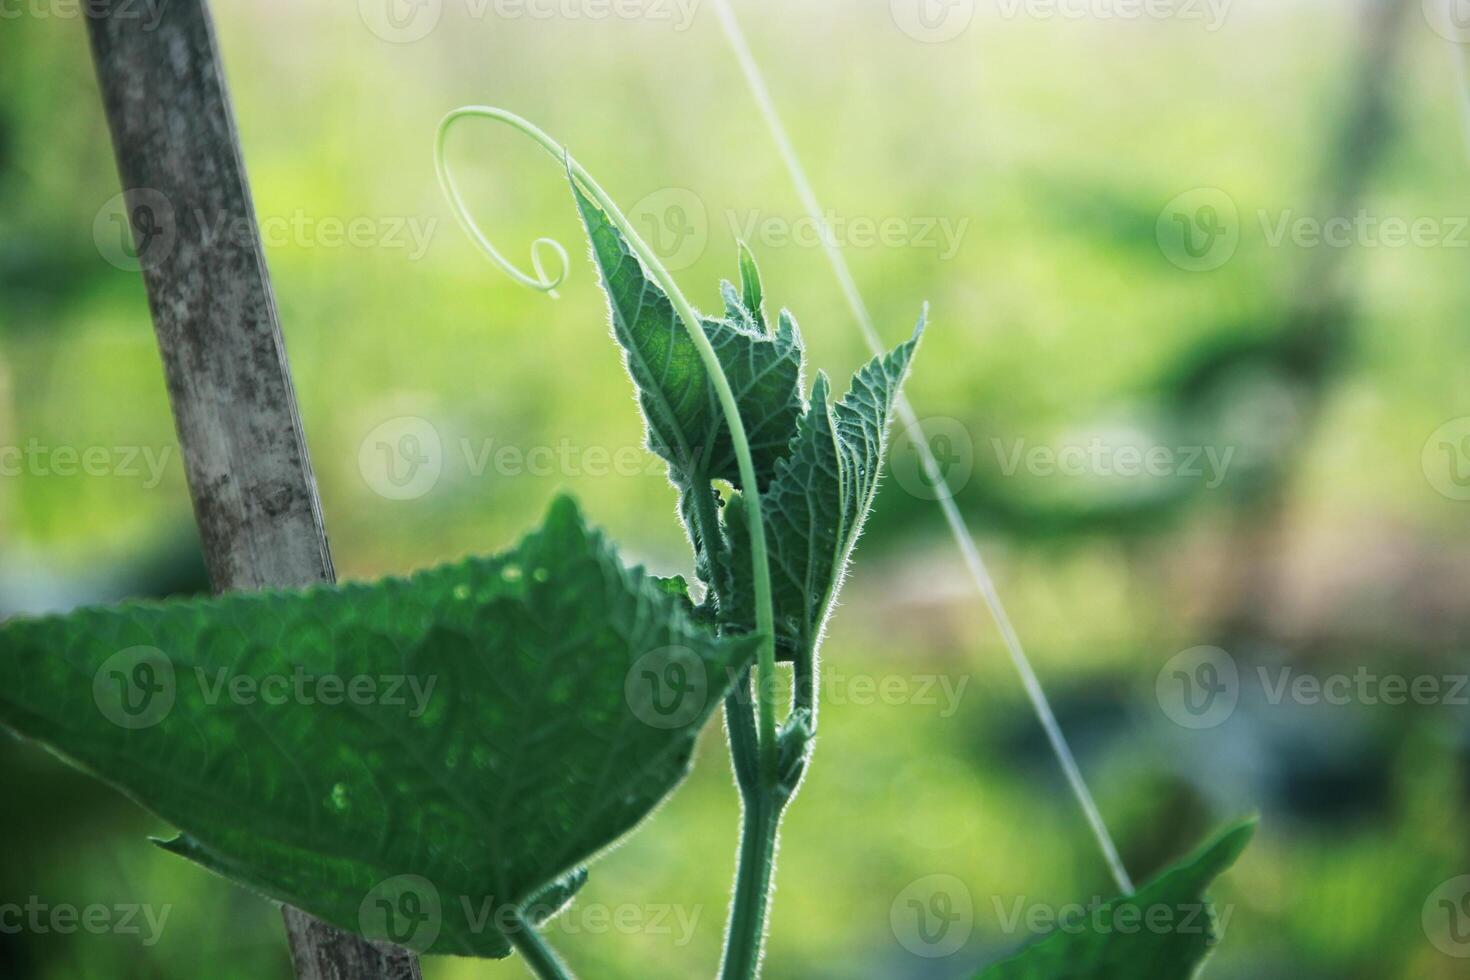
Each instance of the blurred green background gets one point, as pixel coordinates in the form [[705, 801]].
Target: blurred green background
[[1067, 157]]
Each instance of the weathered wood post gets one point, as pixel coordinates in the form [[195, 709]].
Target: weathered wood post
[[249, 474]]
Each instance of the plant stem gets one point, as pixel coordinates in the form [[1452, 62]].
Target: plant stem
[[744, 744], [760, 820], [752, 740], [533, 949], [761, 803], [761, 571]]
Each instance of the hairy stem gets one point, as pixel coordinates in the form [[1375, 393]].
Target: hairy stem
[[533, 949], [760, 820], [761, 802], [764, 616]]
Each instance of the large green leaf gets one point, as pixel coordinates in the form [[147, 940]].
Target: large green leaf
[[407, 759], [686, 425], [816, 504], [1164, 932]]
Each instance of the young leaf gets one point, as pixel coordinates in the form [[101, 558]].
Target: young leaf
[[1163, 933], [686, 425], [406, 759], [752, 295], [817, 502]]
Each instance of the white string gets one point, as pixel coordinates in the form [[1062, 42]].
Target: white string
[[962, 535], [1462, 80]]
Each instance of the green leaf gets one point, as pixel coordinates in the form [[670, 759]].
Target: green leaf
[[816, 504], [686, 425], [751, 293], [547, 902], [406, 759], [1118, 942]]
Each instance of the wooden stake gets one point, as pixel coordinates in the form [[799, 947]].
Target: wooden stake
[[198, 246]]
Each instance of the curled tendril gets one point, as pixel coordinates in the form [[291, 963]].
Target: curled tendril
[[760, 565], [540, 282]]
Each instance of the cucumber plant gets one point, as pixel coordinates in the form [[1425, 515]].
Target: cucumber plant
[[555, 709]]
